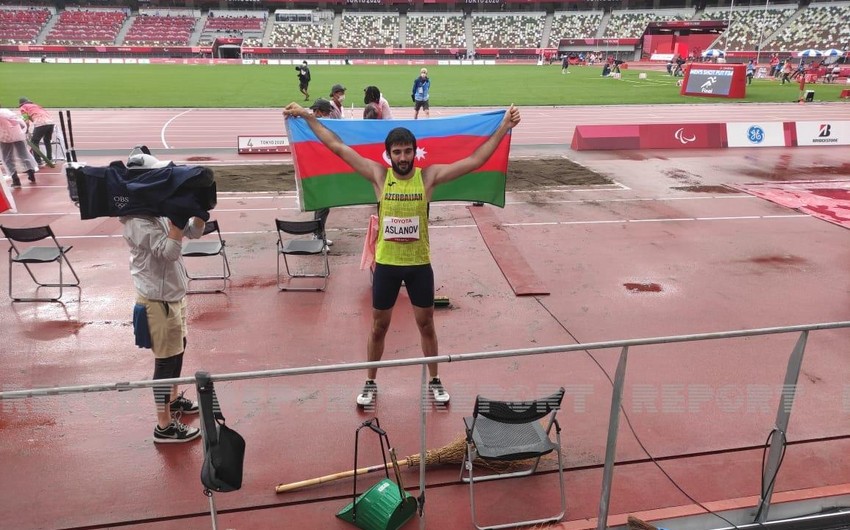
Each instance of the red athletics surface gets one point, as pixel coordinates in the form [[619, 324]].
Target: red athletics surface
[[664, 250], [213, 132], [519, 273], [825, 199]]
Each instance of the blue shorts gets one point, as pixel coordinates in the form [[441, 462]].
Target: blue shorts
[[386, 283]]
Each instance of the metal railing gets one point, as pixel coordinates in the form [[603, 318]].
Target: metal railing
[[774, 451]]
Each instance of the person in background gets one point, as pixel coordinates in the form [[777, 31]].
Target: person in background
[[304, 79], [42, 129], [13, 143], [751, 71], [834, 73], [322, 108], [337, 97], [159, 317], [802, 81], [381, 107], [421, 94], [565, 64], [786, 72]]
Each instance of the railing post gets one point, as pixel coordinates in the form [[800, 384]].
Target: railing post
[[611, 445], [213, 514], [783, 415], [422, 449]]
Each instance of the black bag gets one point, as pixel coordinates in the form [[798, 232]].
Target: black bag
[[224, 448]]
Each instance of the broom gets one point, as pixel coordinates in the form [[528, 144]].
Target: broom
[[452, 453], [636, 524]]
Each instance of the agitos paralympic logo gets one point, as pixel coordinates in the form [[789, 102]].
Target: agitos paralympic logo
[[680, 135], [824, 135]]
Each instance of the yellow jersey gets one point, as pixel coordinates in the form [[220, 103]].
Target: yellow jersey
[[403, 222]]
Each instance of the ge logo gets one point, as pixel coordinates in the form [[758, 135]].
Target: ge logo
[[755, 134]]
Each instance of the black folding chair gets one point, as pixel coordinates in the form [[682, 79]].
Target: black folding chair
[[212, 246], [288, 246], [27, 254], [512, 430]]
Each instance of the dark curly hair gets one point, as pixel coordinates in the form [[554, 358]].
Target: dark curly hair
[[372, 95], [401, 136]]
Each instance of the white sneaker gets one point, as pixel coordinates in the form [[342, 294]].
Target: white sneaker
[[328, 242], [175, 433], [367, 397], [438, 392]]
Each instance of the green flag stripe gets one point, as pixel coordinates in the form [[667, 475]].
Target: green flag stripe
[[342, 189]]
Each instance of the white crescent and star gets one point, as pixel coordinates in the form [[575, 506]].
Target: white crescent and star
[[421, 153]]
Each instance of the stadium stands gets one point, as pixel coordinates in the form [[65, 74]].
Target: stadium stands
[[369, 30], [820, 26], [314, 33], [783, 28], [162, 27], [574, 25], [249, 25], [748, 27], [22, 26], [87, 26], [631, 24], [435, 31], [508, 30]]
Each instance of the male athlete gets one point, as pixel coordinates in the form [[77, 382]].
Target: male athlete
[[403, 250]]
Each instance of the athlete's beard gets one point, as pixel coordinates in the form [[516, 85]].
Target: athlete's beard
[[399, 171]]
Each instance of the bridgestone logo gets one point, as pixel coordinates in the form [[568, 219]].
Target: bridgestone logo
[[825, 140]]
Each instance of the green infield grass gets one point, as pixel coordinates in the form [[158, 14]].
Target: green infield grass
[[234, 86]]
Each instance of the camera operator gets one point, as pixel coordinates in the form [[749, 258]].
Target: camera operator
[[303, 79]]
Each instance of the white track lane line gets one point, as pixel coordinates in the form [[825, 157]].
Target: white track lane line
[[162, 132], [553, 223], [436, 205]]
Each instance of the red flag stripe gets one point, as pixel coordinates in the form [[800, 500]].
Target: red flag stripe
[[313, 159]]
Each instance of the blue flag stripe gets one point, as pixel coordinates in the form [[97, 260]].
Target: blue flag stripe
[[357, 132]]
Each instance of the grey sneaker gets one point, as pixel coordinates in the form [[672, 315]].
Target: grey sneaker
[[183, 405], [175, 433], [367, 397], [16, 182], [437, 391]]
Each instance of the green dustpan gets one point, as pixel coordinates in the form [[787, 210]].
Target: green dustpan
[[384, 506], [380, 508]]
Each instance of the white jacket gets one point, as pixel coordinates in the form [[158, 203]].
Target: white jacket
[[12, 127]]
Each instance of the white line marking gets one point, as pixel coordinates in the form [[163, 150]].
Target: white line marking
[[564, 223], [162, 132], [452, 204]]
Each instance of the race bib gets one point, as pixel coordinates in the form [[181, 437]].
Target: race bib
[[401, 229]]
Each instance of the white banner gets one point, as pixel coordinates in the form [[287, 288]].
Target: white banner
[[748, 134], [823, 132], [263, 144]]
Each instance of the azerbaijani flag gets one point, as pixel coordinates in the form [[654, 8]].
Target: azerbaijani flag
[[324, 180]]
